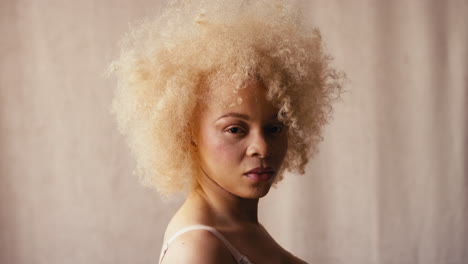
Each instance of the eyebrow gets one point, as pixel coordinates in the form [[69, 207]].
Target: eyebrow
[[243, 116]]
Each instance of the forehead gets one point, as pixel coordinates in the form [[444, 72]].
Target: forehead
[[223, 98], [223, 95]]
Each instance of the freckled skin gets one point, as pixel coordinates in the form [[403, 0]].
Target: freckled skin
[[230, 146], [225, 198]]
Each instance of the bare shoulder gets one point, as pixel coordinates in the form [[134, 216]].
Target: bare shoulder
[[297, 260], [197, 246], [290, 258]]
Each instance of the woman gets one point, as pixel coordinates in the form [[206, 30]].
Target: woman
[[218, 99]]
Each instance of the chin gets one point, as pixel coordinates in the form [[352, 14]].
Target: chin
[[256, 192]]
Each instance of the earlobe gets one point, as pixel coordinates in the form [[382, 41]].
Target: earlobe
[[193, 141], [193, 145]]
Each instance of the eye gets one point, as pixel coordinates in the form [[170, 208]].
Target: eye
[[235, 130], [277, 129]]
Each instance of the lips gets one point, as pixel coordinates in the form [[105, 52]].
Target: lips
[[261, 170], [260, 174]]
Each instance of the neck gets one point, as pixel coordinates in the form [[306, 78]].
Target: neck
[[223, 207]]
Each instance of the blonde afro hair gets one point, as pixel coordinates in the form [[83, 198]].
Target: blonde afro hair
[[164, 61]]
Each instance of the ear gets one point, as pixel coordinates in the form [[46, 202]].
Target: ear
[[193, 143], [193, 136]]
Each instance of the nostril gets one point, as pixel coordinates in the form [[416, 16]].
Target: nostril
[[266, 154], [259, 147]]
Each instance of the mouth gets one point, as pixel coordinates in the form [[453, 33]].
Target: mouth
[[260, 174]]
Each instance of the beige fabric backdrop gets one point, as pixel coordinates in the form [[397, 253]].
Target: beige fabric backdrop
[[389, 186]]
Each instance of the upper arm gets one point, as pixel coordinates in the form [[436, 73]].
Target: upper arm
[[197, 247]]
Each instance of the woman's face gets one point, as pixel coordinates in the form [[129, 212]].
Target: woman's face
[[233, 140]]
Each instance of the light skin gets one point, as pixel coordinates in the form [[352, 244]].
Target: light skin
[[229, 142]]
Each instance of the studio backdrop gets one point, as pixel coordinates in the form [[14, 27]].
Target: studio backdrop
[[389, 185]]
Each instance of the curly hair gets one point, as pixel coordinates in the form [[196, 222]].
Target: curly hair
[[165, 60]]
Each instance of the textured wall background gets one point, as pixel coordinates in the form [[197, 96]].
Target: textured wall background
[[389, 186]]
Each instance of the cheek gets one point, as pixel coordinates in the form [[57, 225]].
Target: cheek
[[221, 151], [285, 145], [226, 151], [281, 147]]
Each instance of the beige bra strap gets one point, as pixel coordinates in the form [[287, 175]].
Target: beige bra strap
[[235, 253]]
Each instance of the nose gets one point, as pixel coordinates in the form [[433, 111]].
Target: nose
[[259, 147]]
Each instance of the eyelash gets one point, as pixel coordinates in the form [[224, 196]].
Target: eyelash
[[281, 128]]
